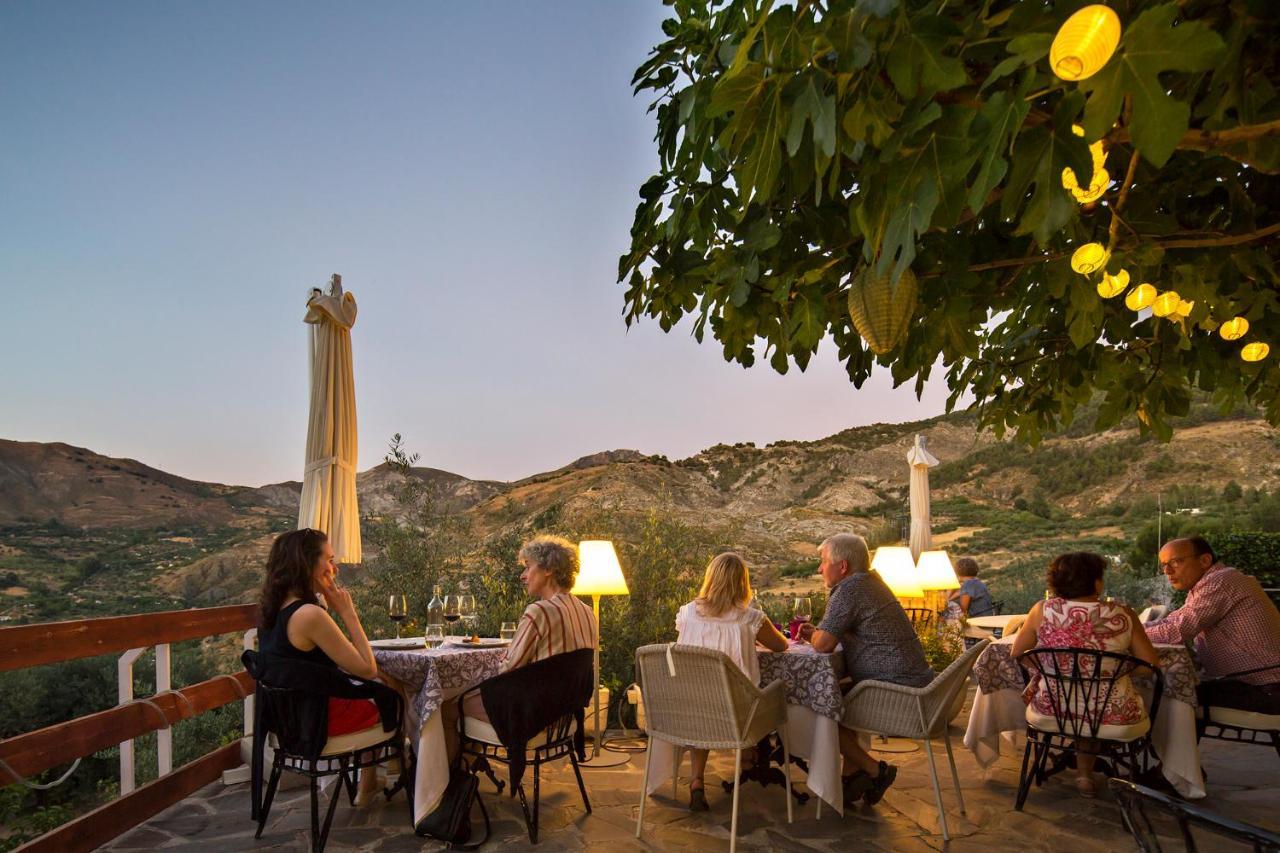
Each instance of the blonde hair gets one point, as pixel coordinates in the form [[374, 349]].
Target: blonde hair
[[725, 585]]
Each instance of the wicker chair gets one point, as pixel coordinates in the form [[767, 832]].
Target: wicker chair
[[919, 713], [698, 698]]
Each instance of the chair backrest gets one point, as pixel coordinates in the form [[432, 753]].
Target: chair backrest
[[921, 616], [1137, 803], [941, 692], [1079, 684], [705, 700], [545, 695]]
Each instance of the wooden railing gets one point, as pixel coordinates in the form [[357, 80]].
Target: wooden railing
[[35, 752]]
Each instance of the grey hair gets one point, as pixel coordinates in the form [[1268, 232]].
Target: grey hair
[[555, 555], [849, 547]]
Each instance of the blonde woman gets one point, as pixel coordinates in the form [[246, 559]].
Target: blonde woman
[[720, 618]]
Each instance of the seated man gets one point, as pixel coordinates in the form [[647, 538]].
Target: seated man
[[878, 642], [1234, 625]]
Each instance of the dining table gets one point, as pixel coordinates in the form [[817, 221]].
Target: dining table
[[812, 682], [430, 678], [999, 712]]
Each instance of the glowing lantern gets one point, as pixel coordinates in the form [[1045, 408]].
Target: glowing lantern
[[1140, 297], [1166, 303], [882, 310], [1096, 189], [1084, 43], [1089, 258], [1113, 285], [1255, 351], [1184, 308], [1233, 329]]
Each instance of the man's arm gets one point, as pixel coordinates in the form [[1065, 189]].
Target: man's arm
[[1202, 611]]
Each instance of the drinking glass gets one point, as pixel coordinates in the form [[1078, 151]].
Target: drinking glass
[[434, 636], [467, 608], [803, 609], [452, 609], [397, 611], [508, 631]]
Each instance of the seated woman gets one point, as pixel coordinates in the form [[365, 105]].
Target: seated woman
[[555, 622], [294, 623], [720, 619], [1073, 617], [972, 598]]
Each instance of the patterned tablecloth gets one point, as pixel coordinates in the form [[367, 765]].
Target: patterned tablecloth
[[812, 679], [997, 670]]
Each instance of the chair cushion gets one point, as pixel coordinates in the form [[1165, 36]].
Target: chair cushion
[[1244, 719], [339, 744], [1047, 723], [482, 731]]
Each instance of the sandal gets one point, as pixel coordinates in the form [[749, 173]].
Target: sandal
[[698, 800]]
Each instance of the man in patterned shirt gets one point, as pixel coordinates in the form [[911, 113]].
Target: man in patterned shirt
[[878, 642], [1234, 625]]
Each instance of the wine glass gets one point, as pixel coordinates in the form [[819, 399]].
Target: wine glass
[[467, 609], [397, 611], [801, 612], [508, 631], [452, 608], [433, 637]]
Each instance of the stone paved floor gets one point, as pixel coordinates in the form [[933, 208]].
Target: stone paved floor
[[1244, 783]]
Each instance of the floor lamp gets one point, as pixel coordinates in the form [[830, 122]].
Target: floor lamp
[[599, 573], [897, 568]]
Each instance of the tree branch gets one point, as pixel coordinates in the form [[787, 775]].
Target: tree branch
[[1211, 140], [1224, 240]]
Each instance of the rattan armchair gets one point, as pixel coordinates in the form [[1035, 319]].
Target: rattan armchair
[[920, 713], [698, 698]]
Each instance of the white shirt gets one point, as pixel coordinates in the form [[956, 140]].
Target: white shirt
[[733, 633]]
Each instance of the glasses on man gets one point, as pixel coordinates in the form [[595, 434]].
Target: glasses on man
[[1174, 562]]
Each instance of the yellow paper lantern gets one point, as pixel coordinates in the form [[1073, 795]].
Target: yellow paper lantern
[[1166, 303], [1255, 351], [1113, 285], [1184, 308], [1084, 43], [1140, 297], [1234, 329], [1097, 187], [1089, 258], [1101, 178], [881, 310]]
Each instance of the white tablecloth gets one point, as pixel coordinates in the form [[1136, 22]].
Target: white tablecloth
[[999, 713], [812, 732], [432, 676]]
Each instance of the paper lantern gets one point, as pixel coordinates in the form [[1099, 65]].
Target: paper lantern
[[1113, 285], [1097, 187], [1084, 43], [1166, 303], [1140, 297], [1184, 308], [1089, 258], [1255, 351], [882, 310], [1234, 329]]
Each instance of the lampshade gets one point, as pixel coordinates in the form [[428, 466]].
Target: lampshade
[[1113, 285], [1233, 329], [1089, 258], [1141, 297], [1255, 351], [1084, 43], [599, 571], [896, 568], [936, 572]]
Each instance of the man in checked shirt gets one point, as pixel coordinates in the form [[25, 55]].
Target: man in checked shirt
[[1234, 625]]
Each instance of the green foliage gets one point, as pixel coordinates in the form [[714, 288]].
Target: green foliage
[[799, 144], [942, 642], [1257, 554]]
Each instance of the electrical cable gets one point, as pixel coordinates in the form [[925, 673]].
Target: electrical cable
[[625, 743]]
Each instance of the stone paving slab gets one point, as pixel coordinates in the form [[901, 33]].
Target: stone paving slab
[[1244, 783]]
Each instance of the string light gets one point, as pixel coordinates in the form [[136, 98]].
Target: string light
[[1113, 285], [1184, 308], [1140, 297], [1089, 258], [1255, 351], [1085, 43], [1234, 329], [1166, 303], [1101, 177]]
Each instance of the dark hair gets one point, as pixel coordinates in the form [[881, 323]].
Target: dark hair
[[1076, 575], [967, 567], [1202, 547], [289, 566]]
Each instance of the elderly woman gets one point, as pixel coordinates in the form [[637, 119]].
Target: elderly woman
[[554, 623]]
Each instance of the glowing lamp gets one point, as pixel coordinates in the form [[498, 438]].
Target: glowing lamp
[[1089, 258], [1140, 297], [1085, 43], [1255, 351], [898, 570], [1166, 303], [936, 572], [599, 573], [1113, 285], [1234, 329]]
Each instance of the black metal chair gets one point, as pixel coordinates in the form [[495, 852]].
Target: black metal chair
[[558, 737], [1137, 803], [921, 616], [1240, 726], [282, 722], [1080, 684]]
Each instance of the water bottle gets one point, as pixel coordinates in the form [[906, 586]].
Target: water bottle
[[435, 609]]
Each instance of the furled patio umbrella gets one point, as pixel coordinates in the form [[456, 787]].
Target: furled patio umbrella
[[920, 460], [329, 479]]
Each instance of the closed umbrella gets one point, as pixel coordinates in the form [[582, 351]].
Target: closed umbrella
[[329, 479], [920, 460]]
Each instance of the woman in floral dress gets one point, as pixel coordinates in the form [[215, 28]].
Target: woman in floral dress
[[1075, 617]]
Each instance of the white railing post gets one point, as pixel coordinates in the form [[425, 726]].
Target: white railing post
[[250, 644], [124, 680], [164, 737]]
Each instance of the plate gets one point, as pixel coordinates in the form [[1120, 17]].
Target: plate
[[401, 643], [481, 643]]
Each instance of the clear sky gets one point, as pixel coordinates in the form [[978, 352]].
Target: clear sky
[[174, 177]]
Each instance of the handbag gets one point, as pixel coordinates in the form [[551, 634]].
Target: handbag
[[450, 821]]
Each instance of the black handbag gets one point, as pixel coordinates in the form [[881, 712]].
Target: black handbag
[[450, 822]]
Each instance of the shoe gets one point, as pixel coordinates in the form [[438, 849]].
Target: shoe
[[880, 784], [698, 800], [855, 786], [1086, 787]]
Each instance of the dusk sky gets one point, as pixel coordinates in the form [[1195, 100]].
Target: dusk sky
[[174, 177]]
